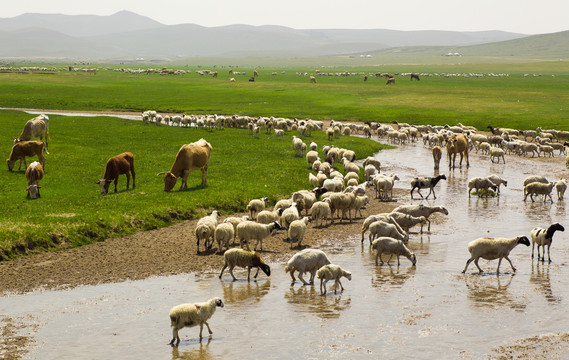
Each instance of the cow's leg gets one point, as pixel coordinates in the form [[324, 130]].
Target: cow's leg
[[204, 175]]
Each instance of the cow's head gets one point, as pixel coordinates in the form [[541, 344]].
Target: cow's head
[[169, 180], [104, 184], [10, 164], [33, 191]]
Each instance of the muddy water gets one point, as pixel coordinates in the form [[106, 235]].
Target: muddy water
[[425, 312]]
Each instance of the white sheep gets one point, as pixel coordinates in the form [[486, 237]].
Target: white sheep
[[370, 160], [311, 157], [279, 133], [257, 205], [233, 220], [289, 215], [535, 178], [379, 217], [350, 166], [537, 188], [205, 230], [481, 185], [305, 198], [283, 204], [421, 210], [249, 230], [359, 203], [313, 146], [296, 231], [246, 259], [560, 187], [544, 237], [493, 248], [384, 185], [381, 229], [307, 260], [189, 315], [331, 272], [497, 153], [267, 217], [391, 246], [297, 145], [223, 233], [406, 221], [498, 181], [321, 210]]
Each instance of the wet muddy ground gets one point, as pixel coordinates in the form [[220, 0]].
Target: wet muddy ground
[[428, 311]]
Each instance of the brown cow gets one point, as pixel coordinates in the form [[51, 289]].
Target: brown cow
[[457, 144], [34, 173], [35, 127], [23, 149], [390, 80], [118, 165], [190, 156], [437, 155]]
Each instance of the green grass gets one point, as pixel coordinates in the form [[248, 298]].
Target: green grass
[[71, 211]]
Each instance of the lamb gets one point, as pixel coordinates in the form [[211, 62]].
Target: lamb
[[497, 181], [493, 248], [307, 260], [481, 185], [267, 217], [34, 173], [313, 146], [320, 210], [330, 133], [118, 165], [279, 133], [560, 187], [331, 272], [223, 233], [249, 230], [497, 153], [437, 155], [392, 246], [205, 229], [421, 210], [189, 315], [382, 229], [25, 149], [234, 221], [244, 258], [296, 231], [257, 205], [537, 188], [289, 215], [369, 172], [544, 237], [426, 182]]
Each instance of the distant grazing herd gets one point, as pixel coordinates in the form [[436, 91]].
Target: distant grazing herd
[[333, 194]]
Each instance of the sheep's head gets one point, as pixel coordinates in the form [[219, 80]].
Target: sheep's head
[[277, 225], [219, 302], [523, 240], [169, 180], [347, 275], [104, 184], [413, 258], [443, 210]]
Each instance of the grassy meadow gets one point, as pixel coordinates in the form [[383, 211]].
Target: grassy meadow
[[71, 211]]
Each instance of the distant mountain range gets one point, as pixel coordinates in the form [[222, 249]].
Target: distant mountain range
[[126, 35]]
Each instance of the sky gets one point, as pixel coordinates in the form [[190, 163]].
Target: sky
[[519, 16]]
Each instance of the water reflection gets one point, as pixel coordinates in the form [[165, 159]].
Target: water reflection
[[392, 276], [491, 291], [195, 354], [307, 299], [540, 278], [245, 292]]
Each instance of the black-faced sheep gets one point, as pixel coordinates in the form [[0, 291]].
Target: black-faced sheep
[[246, 259], [544, 237], [249, 230], [493, 248]]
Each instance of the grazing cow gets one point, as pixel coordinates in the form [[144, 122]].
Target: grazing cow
[[457, 144], [190, 156], [35, 127], [390, 80], [118, 165], [34, 173], [25, 149]]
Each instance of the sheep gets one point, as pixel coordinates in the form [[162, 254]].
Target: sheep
[[497, 181], [249, 230], [118, 165], [25, 149], [544, 237], [223, 233], [370, 160], [244, 258], [535, 178], [342, 201], [406, 221], [313, 146], [382, 228], [279, 133], [257, 205], [369, 172], [383, 185], [481, 185], [205, 229], [392, 246], [437, 155], [189, 315], [296, 231], [307, 197], [311, 157], [537, 188], [283, 204], [307, 260], [331, 272], [297, 146], [34, 173], [289, 215], [546, 149], [560, 187], [426, 182], [421, 210], [234, 221], [267, 217], [493, 248], [353, 176], [320, 210], [379, 217], [330, 133], [359, 203], [497, 153]]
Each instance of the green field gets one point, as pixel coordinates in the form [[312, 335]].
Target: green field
[[71, 212]]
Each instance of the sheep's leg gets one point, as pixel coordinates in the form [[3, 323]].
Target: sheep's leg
[[257, 273], [231, 272], [548, 256], [467, 263], [201, 329], [222, 270], [512, 265], [532, 248], [322, 292], [339, 283], [429, 228], [208, 328], [175, 337], [388, 260], [478, 266]]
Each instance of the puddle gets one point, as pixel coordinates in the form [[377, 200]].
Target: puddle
[[431, 311]]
